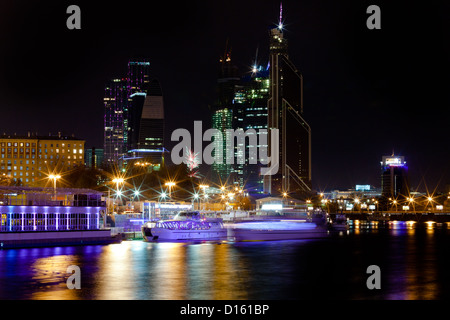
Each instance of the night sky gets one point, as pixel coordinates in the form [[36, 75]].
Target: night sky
[[367, 92]]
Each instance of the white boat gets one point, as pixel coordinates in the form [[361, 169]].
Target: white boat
[[266, 230], [186, 226]]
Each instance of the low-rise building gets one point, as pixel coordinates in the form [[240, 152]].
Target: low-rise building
[[30, 159]]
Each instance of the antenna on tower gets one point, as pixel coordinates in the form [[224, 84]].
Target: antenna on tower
[[280, 23], [255, 65]]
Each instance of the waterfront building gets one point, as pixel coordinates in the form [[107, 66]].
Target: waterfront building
[[394, 179], [30, 159], [285, 110], [33, 216]]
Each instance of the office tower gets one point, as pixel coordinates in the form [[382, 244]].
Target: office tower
[[117, 102], [93, 158], [285, 109], [394, 180], [137, 80], [224, 114], [138, 76], [146, 135], [253, 96]]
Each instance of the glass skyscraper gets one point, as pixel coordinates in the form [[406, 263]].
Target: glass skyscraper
[[117, 102], [146, 134], [116, 106], [285, 109], [225, 115]]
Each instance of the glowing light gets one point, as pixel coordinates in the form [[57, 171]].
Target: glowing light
[[272, 207], [118, 180], [170, 184]]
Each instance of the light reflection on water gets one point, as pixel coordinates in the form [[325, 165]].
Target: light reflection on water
[[412, 259]]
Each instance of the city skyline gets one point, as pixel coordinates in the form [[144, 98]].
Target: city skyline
[[366, 92]]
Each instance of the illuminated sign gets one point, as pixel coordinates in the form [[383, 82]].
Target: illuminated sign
[[174, 206], [362, 187], [394, 161], [405, 208], [371, 207], [272, 207]]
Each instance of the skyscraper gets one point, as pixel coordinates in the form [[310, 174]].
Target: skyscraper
[[285, 109], [394, 180], [251, 98], [146, 134], [117, 102], [224, 114]]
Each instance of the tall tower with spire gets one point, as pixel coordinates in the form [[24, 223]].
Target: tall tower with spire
[[285, 113]]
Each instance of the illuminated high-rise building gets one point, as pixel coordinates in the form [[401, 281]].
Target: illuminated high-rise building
[[225, 115], [117, 102], [146, 120], [251, 97], [394, 180], [285, 109]]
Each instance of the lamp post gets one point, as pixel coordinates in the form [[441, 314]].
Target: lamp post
[[118, 181], [54, 177], [204, 187], [170, 184]]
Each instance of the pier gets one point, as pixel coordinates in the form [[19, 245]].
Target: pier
[[417, 216]]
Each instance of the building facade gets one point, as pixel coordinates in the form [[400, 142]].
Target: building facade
[[146, 121], [252, 97], [285, 109], [394, 179], [29, 160], [115, 120], [117, 103], [225, 115], [93, 158]]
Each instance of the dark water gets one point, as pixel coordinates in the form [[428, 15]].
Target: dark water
[[414, 263]]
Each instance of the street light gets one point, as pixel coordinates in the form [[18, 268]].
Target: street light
[[170, 184], [117, 181], [54, 177]]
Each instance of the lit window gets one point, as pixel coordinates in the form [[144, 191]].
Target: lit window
[[74, 150]]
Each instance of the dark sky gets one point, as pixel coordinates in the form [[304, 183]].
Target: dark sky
[[367, 92]]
